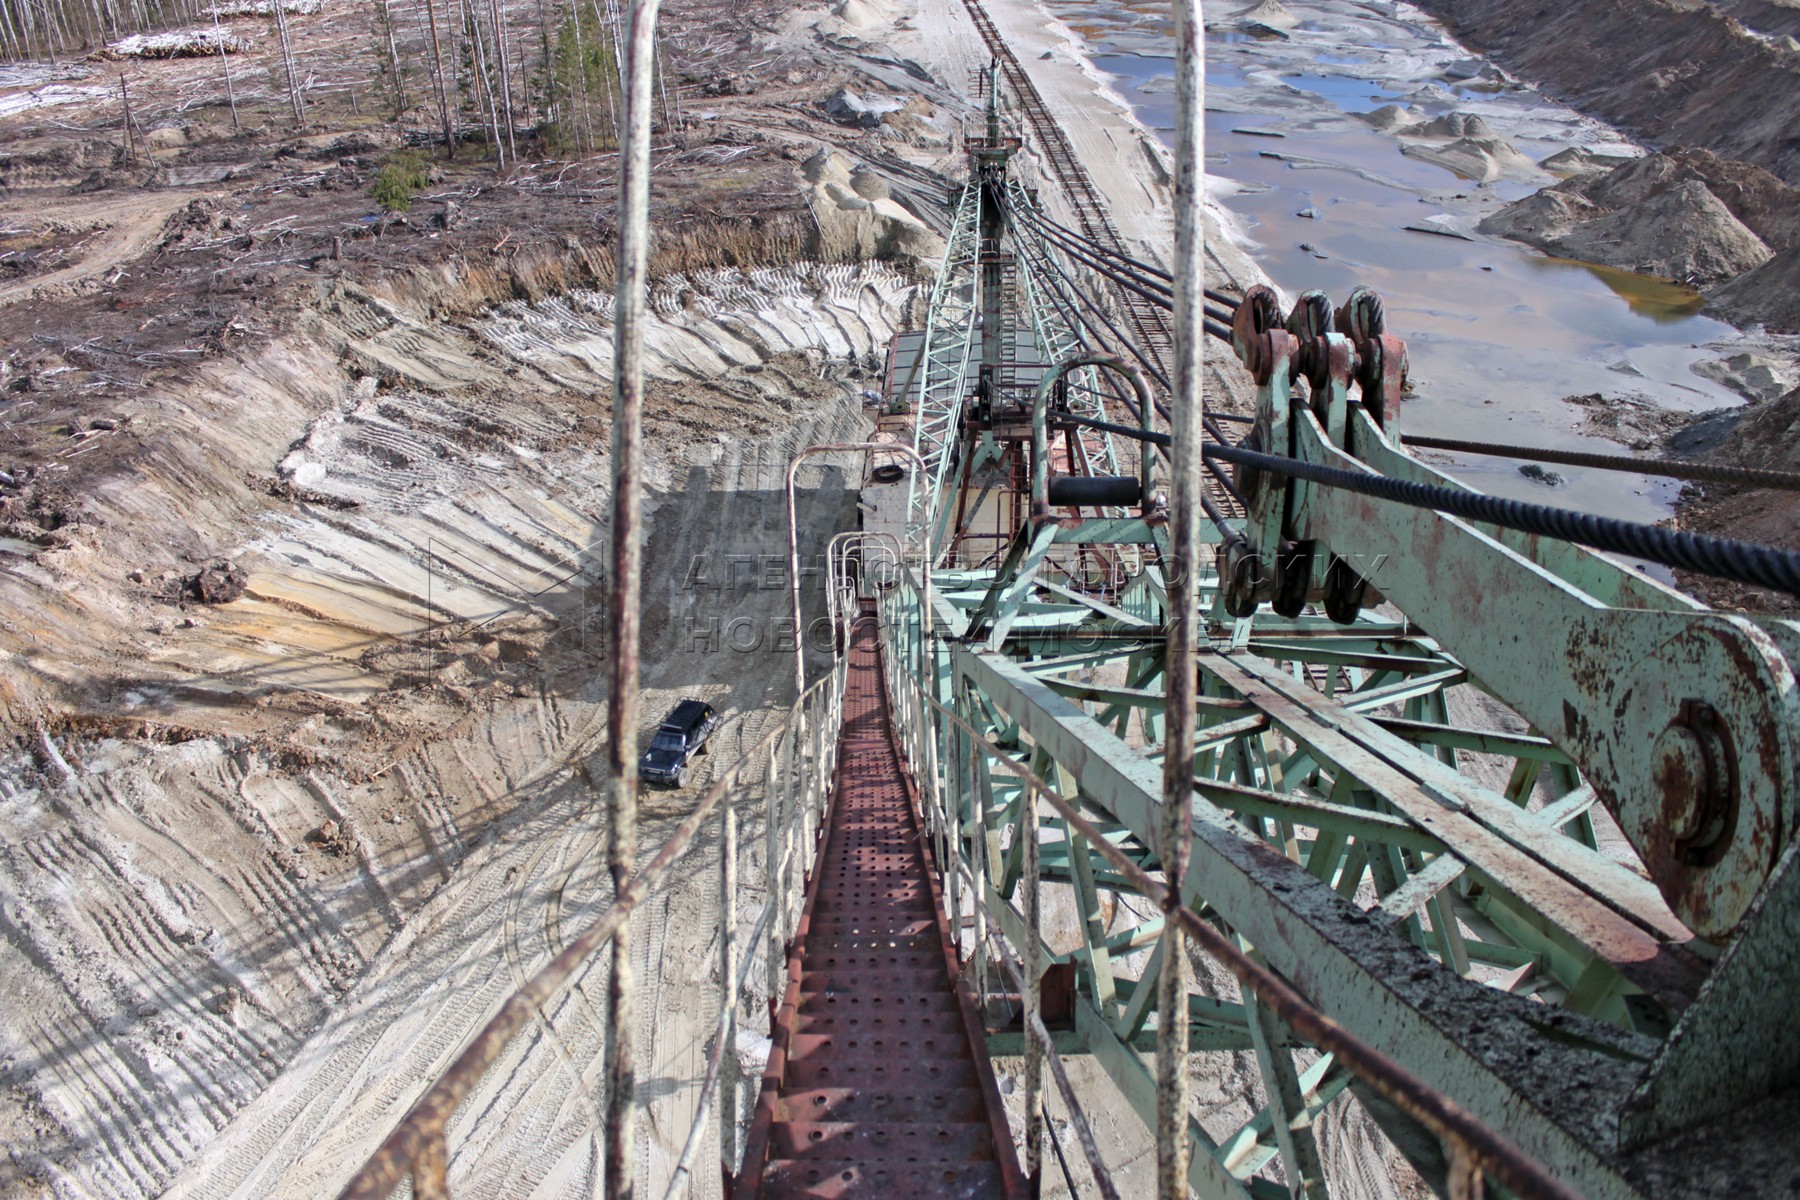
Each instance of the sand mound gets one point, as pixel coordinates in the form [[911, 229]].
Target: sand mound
[[1542, 219], [858, 217], [1768, 438], [1481, 159], [1579, 161], [1453, 125], [1686, 215], [862, 16], [1684, 233], [1769, 207], [1268, 12], [1410, 121], [1754, 377], [1769, 295], [1393, 118]]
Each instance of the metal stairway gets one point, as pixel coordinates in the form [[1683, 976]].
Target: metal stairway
[[878, 1082]]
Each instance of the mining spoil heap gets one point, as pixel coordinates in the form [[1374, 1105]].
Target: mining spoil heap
[[304, 516]]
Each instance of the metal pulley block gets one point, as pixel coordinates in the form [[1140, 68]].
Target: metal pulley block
[[1380, 368], [1332, 351], [1250, 565], [1293, 578], [1346, 591], [1246, 578]]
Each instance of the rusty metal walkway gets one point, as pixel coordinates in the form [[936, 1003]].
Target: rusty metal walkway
[[878, 1081]]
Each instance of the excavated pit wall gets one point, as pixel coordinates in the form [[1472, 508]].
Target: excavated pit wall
[[392, 727], [1725, 76]]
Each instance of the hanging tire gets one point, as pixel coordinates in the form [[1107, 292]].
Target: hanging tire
[[681, 778]]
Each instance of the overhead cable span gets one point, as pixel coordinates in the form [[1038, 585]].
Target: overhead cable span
[[1722, 558]]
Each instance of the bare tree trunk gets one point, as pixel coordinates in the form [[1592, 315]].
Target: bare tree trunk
[[53, 18], [612, 108], [437, 75], [49, 32], [385, 15], [8, 41], [543, 94], [287, 62], [478, 57], [225, 65], [505, 60], [130, 141], [671, 97], [586, 141]]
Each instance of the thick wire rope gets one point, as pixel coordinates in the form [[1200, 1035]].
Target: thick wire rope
[[1722, 558], [1154, 291], [1029, 216], [1672, 468], [1229, 302], [1141, 274], [1668, 468]]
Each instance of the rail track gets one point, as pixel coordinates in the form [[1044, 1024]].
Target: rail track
[[1149, 324]]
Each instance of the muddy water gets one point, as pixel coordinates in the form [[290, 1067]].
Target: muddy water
[[1497, 334]]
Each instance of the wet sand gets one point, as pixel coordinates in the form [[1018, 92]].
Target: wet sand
[[1497, 334]]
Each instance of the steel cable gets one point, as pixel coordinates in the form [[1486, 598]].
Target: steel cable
[[1147, 361], [1153, 290], [1722, 558], [1672, 468], [1150, 366], [1229, 302]]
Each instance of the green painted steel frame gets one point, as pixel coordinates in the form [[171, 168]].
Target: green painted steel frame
[[1422, 929], [1421, 863]]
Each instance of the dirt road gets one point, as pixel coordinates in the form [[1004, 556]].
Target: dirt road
[[129, 225]]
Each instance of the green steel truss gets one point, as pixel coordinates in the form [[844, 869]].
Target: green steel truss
[[942, 372], [1425, 865], [1037, 332], [1047, 294]]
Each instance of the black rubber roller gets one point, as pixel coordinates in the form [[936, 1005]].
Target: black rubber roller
[[1094, 491]]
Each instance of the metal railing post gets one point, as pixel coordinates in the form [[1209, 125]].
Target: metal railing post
[[777, 960], [1033, 956], [793, 536], [728, 969], [978, 862], [629, 317], [792, 799], [1182, 650]]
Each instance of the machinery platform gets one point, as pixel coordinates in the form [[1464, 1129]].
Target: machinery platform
[[878, 1081]]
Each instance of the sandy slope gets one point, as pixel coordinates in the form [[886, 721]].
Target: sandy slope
[[177, 926]]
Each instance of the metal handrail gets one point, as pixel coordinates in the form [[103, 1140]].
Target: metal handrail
[[417, 1146]]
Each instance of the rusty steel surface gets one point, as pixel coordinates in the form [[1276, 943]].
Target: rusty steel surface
[[878, 1082]]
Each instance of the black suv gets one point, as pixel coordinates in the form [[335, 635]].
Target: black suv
[[677, 739]]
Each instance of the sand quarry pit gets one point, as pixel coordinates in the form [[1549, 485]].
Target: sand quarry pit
[[300, 582], [302, 528], [405, 690], [303, 510]]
